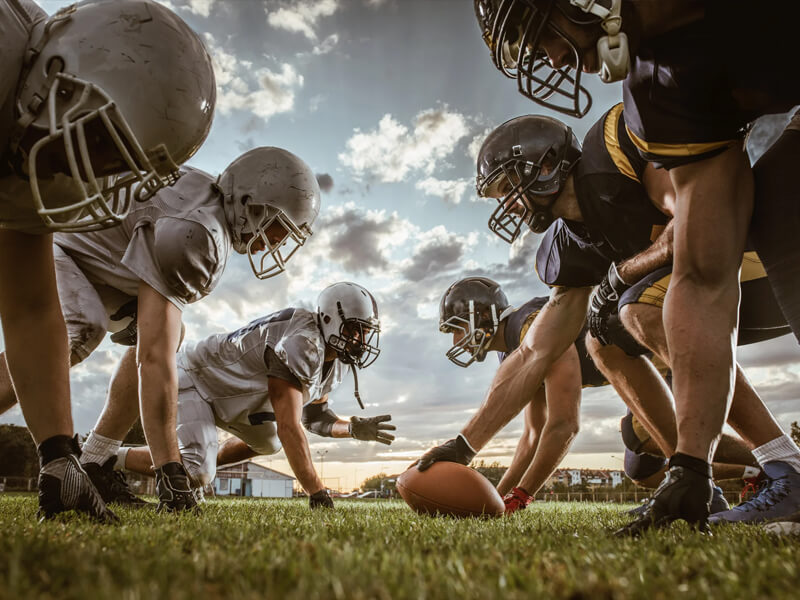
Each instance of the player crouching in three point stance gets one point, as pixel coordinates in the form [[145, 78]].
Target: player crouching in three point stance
[[100, 105], [263, 383], [170, 251]]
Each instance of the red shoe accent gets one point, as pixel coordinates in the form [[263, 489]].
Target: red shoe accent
[[517, 499]]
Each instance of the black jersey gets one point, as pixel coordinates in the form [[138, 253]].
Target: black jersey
[[619, 219], [692, 91], [521, 319]]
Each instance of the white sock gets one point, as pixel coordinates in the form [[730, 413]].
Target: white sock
[[98, 449], [781, 448], [750, 472], [122, 455]]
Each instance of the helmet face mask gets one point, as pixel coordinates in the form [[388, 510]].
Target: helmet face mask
[[106, 199], [473, 308], [525, 163], [348, 320], [514, 31], [272, 260], [472, 346], [78, 113], [268, 192]]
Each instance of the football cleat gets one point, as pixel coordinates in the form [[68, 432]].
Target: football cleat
[[778, 498], [174, 491], [785, 526], [65, 486], [718, 501], [112, 485], [517, 499], [683, 494]]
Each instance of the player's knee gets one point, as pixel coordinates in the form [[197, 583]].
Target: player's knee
[[267, 446], [201, 472], [635, 318]]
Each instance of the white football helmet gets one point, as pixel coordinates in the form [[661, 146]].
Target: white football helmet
[[348, 318], [116, 94], [268, 187]]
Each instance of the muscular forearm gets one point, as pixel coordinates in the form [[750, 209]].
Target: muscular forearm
[[553, 446], [158, 398], [526, 447], [658, 254], [523, 372], [295, 445]]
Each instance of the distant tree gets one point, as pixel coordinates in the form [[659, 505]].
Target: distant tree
[[493, 471], [18, 457], [135, 436], [381, 481], [796, 432]]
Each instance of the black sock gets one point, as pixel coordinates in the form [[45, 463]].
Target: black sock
[[697, 465], [55, 447]]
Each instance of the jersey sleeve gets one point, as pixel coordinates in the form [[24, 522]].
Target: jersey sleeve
[[679, 106], [276, 368], [176, 257], [566, 261], [302, 357]]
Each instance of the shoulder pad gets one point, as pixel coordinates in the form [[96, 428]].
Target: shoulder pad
[[188, 256]]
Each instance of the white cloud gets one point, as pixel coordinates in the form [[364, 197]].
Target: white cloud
[[450, 191], [392, 150], [201, 8], [327, 45], [263, 91], [302, 16]]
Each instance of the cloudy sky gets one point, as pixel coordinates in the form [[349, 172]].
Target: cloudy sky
[[388, 101]]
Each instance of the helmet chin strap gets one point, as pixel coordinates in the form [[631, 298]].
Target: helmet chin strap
[[612, 49]]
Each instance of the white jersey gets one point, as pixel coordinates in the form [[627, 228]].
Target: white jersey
[[17, 18], [178, 243], [229, 372]]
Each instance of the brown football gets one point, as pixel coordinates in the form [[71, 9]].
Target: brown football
[[448, 488]]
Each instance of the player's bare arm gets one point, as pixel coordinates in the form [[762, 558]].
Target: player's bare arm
[[553, 331], [535, 417], [563, 390], [287, 402]]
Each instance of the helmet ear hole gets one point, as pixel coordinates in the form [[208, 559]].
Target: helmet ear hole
[[326, 319], [245, 199]]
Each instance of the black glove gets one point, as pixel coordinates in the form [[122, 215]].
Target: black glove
[[457, 451], [174, 491], [129, 335], [603, 304], [372, 429], [320, 499]]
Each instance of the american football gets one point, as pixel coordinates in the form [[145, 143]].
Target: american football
[[451, 489]]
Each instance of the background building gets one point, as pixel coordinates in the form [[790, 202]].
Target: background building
[[247, 478]]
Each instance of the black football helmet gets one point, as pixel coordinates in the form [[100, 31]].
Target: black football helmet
[[473, 306], [514, 29], [524, 163]]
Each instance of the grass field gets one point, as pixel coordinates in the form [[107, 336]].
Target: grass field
[[380, 549]]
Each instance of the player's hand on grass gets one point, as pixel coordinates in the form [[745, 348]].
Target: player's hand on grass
[[372, 429], [517, 499], [604, 302], [456, 450], [320, 499]]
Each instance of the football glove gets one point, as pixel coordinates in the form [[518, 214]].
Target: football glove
[[604, 302], [456, 450], [129, 335], [372, 429], [320, 499], [517, 499]]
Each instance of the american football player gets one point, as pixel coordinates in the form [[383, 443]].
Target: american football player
[[476, 312], [99, 104], [597, 207], [170, 251], [263, 383], [690, 90]]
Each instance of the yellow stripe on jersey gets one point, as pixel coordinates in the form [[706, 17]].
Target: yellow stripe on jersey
[[751, 267], [610, 128], [678, 149], [527, 325]]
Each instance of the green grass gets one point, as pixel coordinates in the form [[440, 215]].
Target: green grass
[[279, 549]]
